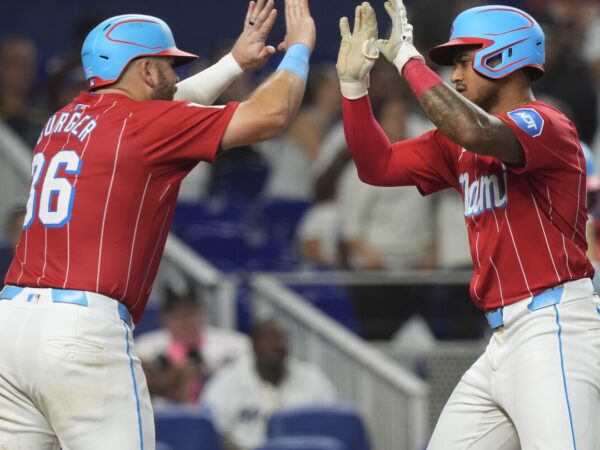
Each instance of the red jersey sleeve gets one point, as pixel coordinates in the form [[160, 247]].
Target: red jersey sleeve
[[428, 162], [548, 138], [173, 136]]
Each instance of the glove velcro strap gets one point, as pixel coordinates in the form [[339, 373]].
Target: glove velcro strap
[[406, 52], [353, 90]]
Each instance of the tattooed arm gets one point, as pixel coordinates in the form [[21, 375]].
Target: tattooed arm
[[459, 119], [470, 126]]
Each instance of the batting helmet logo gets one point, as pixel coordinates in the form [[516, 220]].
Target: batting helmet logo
[[510, 39], [114, 43]]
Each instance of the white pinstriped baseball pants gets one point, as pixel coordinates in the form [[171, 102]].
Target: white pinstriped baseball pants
[[68, 377], [537, 386]]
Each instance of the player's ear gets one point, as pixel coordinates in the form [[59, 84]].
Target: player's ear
[[146, 70]]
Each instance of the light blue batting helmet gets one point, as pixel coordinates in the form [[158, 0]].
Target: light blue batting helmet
[[500, 30], [115, 42]]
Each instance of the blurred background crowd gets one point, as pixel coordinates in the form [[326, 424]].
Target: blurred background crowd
[[293, 204]]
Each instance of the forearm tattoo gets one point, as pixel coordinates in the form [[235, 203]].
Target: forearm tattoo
[[450, 112]]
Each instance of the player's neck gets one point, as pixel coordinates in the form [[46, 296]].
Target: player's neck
[[271, 374], [516, 93], [121, 91]]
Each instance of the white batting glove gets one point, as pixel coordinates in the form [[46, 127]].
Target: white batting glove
[[399, 48], [358, 52]]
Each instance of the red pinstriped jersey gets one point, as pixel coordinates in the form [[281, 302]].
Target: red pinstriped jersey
[[526, 225], [106, 173]]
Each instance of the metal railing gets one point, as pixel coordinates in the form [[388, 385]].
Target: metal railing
[[392, 399], [443, 366], [220, 301]]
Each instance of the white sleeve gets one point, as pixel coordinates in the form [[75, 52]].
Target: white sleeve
[[327, 393], [217, 397], [354, 200], [205, 87], [150, 346]]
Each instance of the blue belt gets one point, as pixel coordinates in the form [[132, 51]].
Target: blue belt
[[495, 317], [64, 296]]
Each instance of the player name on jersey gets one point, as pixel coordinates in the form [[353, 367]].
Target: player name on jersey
[[74, 122]]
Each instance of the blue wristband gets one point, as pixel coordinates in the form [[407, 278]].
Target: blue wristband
[[296, 60]]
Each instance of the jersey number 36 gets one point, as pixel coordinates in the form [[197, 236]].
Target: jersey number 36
[[57, 193]]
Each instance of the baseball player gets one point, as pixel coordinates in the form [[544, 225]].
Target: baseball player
[[520, 170], [105, 177]]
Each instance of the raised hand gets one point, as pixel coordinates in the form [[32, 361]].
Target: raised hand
[[250, 50], [358, 51], [398, 48], [300, 26]]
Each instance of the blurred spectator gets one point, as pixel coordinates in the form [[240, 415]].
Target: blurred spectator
[[593, 205], [320, 232], [450, 234], [322, 108], [318, 235], [291, 155], [242, 396], [14, 225], [67, 85], [18, 70], [591, 39], [64, 72], [431, 23], [179, 358], [567, 77], [385, 228], [385, 84]]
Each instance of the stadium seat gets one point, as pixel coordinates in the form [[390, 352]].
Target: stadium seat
[[332, 300], [337, 421], [239, 173], [208, 211], [183, 428], [303, 443], [273, 254], [282, 216], [224, 244], [163, 446]]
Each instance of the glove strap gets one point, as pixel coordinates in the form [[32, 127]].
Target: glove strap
[[353, 90]]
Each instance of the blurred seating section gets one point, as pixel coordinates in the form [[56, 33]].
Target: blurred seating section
[[340, 422], [182, 428], [238, 225], [302, 443]]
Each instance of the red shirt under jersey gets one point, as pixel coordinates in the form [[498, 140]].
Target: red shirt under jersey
[[526, 225], [106, 174]]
